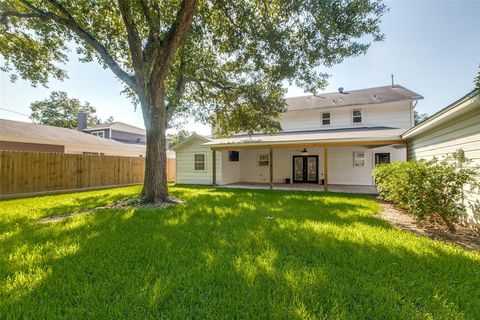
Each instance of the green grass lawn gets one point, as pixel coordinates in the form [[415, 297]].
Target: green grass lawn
[[321, 255]]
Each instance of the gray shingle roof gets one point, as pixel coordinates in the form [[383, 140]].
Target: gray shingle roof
[[118, 126], [39, 133], [353, 97]]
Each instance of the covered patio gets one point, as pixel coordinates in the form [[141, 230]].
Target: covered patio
[[334, 160]]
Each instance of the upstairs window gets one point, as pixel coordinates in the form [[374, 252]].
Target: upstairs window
[[357, 116], [326, 119], [100, 134], [199, 161]]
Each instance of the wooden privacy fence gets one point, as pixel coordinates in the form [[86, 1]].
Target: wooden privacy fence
[[36, 172]]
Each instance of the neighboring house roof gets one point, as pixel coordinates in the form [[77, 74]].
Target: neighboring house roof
[[459, 107], [320, 136], [192, 137], [117, 126], [43, 134], [354, 97]]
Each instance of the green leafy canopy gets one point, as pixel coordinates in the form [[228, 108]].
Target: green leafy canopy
[[61, 111], [228, 68]]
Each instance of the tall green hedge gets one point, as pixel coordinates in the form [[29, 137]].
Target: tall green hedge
[[428, 189]]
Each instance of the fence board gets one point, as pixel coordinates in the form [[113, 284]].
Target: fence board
[[31, 172]]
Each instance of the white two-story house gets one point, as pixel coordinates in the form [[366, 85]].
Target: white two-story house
[[327, 139]]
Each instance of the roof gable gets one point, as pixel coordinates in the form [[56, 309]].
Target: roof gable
[[191, 138], [466, 103]]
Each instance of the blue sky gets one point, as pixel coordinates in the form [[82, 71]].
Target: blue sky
[[431, 47]]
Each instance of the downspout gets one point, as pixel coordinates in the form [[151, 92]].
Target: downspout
[[412, 113]]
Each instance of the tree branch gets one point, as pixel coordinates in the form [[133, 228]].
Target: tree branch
[[133, 37], [147, 14], [181, 82], [73, 26], [173, 38], [212, 83]]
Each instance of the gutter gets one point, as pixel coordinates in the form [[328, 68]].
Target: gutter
[[462, 105], [295, 142]]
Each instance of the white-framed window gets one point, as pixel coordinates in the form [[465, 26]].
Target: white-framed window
[[359, 159], [199, 161], [357, 116], [325, 118], [263, 160], [100, 134]]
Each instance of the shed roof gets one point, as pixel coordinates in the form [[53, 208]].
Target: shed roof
[[191, 137], [353, 97], [470, 101]]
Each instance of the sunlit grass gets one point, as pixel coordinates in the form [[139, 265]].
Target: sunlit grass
[[226, 254]]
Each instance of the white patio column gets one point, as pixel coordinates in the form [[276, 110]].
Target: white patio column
[[271, 167], [214, 164], [325, 168]]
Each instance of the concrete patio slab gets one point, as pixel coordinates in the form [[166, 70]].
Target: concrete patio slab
[[304, 187]]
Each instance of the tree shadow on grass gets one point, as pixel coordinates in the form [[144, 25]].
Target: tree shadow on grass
[[219, 256]]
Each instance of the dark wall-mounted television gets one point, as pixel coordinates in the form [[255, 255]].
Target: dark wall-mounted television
[[233, 155]]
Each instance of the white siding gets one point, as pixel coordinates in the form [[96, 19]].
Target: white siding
[[342, 171], [460, 133], [393, 114], [185, 163], [230, 169], [282, 164], [340, 165]]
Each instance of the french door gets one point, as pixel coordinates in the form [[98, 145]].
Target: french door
[[305, 169]]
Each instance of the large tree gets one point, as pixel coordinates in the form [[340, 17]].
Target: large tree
[[224, 61], [61, 111]]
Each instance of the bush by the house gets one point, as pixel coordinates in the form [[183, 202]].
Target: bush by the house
[[428, 189]]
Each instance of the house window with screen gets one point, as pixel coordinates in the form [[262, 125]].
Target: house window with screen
[[199, 162], [326, 119], [100, 134], [359, 159], [233, 155], [263, 160], [357, 116]]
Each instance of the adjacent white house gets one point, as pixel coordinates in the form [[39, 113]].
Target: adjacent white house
[[327, 139], [454, 128]]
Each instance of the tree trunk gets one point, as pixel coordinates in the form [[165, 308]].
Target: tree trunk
[[155, 182]]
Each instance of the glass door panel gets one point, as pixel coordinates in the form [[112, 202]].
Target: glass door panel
[[298, 169], [312, 168]]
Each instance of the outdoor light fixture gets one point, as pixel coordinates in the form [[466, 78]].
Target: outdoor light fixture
[[304, 151]]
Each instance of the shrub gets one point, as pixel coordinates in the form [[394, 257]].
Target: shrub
[[428, 189]]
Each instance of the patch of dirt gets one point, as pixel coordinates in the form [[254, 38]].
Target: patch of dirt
[[464, 236], [126, 203]]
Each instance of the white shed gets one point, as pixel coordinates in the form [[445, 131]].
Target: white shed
[[194, 161]]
